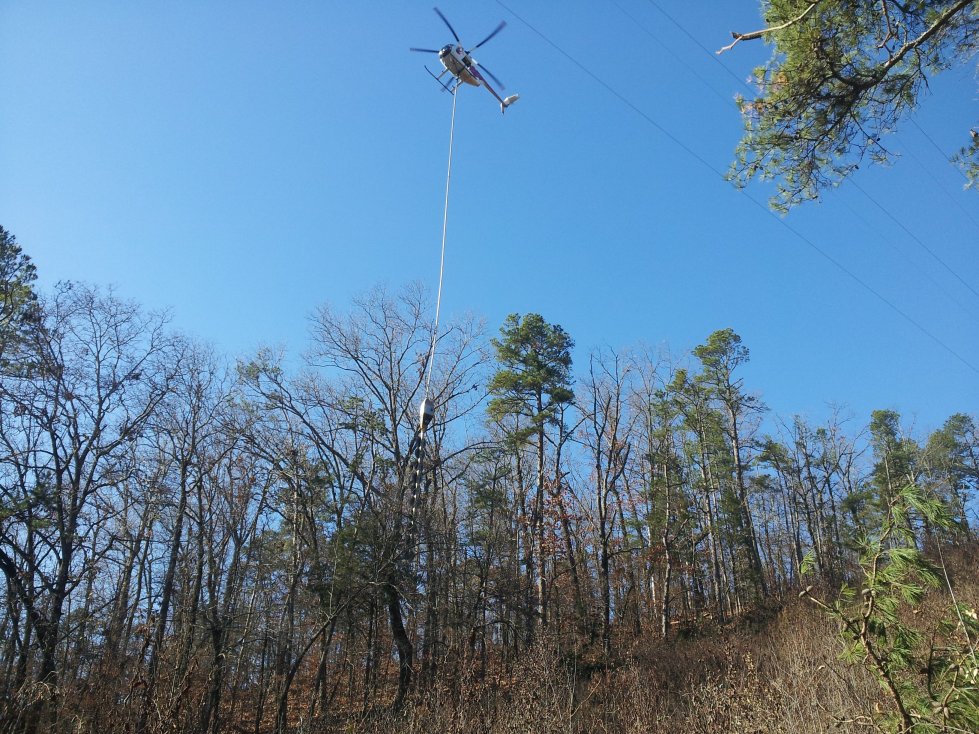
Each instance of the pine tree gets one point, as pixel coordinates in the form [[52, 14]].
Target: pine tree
[[841, 77], [19, 308], [720, 356], [528, 392]]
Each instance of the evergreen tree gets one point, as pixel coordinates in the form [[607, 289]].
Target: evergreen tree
[[528, 392], [841, 76], [929, 675], [720, 356], [895, 462], [19, 309], [534, 379], [952, 457], [703, 452]]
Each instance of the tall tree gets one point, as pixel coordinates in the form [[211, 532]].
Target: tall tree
[[528, 391], [701, 447], [841, 77], [607, 437], [811, 469], [102, 369], [952, 457], [19, 308], [720, 356], [184, 430], [895, 453], [896, 464], [662, 476], [356, 411]]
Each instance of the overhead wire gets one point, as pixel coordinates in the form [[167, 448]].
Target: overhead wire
[[934, 177], [935, 145], [914, 237], [712, 54], [709, 86], [761, 205], [670, 51], [859, 215]]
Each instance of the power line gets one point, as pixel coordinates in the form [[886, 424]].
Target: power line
[[934, 177], [671, 52], [867, 194], [934, 144], [615, 93], [944, 291], [915, 237], [703, 161], [703, 48]]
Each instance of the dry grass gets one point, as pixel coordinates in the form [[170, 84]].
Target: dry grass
[[783, 677], [778, 671]]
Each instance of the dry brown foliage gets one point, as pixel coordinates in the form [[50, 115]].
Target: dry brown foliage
[[780, 674], [775, 670]]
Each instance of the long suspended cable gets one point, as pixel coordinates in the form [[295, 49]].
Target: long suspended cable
[[693, 38], [415, 473], [875, 232], [934, 177], [707, 164], [915, 237], [445, 222], [674, 54], [936, 146]]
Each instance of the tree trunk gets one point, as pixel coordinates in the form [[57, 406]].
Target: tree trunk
[[401, 642]]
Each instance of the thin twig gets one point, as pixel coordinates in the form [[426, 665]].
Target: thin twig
[[764, 31]]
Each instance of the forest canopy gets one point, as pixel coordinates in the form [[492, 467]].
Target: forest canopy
[[189, 546]]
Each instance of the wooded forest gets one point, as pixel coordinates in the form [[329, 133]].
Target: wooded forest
[[193, 543]]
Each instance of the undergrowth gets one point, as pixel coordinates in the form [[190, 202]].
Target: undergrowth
[[784, 674]]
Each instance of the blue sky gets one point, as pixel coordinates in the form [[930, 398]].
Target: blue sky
[[240, 163]]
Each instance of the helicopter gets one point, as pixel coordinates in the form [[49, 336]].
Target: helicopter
[[458, 62]]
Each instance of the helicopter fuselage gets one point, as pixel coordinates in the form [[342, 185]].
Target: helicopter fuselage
[[460, 64]]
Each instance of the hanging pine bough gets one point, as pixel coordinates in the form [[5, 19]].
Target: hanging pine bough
[[841, 77]]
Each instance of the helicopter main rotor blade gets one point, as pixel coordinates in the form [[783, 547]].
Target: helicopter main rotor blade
[[446, 21], [496, 30], [491, 75], [424, 50]]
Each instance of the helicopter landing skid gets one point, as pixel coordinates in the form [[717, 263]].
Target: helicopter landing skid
[[436, 77]]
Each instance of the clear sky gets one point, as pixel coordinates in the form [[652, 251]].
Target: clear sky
[[242, 162]]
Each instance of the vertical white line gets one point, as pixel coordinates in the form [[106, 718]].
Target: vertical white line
[[445, 221]]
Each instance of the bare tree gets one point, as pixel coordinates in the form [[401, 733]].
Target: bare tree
[[102, 369]]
